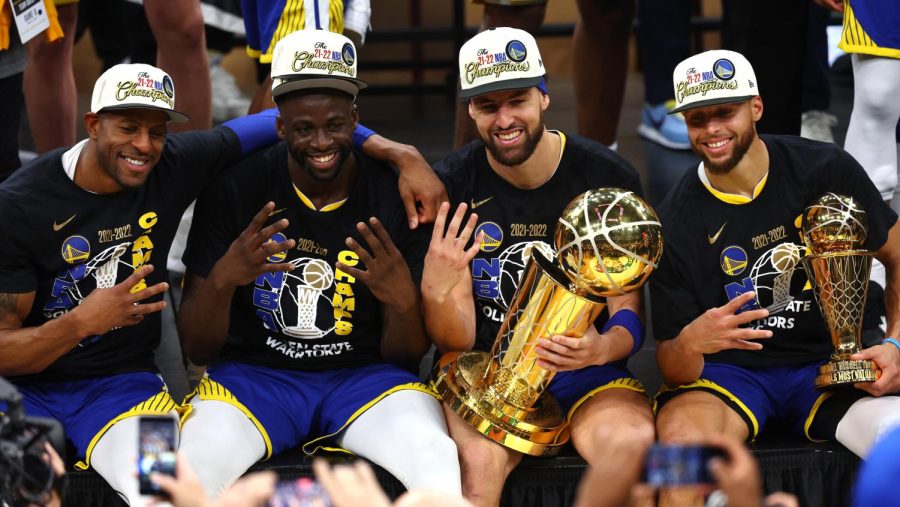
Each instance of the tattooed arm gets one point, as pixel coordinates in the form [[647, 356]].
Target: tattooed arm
[[25, 350]]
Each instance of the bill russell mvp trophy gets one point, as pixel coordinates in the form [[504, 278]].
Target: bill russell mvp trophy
[[834, 229], [607, 242]]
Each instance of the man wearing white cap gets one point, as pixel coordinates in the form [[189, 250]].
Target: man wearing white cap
[[82, 229], [740, 334], [517, 179], [307, 312]]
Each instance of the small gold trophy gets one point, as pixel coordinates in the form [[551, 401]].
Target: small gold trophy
[[834, 229], [607, 241]]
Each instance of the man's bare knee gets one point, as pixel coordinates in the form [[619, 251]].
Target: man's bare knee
[[692, 416]]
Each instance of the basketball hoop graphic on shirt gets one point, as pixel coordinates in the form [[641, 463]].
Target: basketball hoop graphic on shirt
[[301, 292], [772, 275]]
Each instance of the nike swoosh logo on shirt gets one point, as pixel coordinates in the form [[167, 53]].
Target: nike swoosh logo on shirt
[[57, 227], [481, 202], [715, 237]]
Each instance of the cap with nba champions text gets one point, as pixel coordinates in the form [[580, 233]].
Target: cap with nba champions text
[[135, 86], [499, 59], [315, 59], [713, 77]]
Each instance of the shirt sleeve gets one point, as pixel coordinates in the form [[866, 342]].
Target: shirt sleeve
[[213, 229], [672, 303], [194, 159], [17, 271]]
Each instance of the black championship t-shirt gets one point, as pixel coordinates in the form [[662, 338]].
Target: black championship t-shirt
[[715, 251], [62, 242], [516, 220], [313, 317]]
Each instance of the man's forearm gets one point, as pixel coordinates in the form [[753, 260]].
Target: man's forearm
[[450, 321], [678, 365], [203, 317], [32, 349], [403, 338]]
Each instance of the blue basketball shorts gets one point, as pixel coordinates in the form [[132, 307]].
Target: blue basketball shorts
[[572, 388], [784, 393], [290, 407], [88, 408]]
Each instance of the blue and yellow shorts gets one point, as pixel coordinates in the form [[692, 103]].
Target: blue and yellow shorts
[[88, 408], [268, 21], [290, 407], [572, 388], [783, 393]]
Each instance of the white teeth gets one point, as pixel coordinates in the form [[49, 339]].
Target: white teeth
[[326, 158], [134, 161], [718, 144], [510, 136]]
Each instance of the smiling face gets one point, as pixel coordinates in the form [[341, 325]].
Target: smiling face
[[128, 145], [510, 122], [721, 134], [318, 127]]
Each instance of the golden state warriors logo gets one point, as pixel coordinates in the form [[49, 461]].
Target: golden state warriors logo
[[493, 236], [168, 86], [723, 69], [347, 54], [76, 249], [278, 256], [516, 51], [733, 260]]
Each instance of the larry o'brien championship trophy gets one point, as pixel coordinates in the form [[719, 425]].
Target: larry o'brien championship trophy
[[834, 229], [607, 241]]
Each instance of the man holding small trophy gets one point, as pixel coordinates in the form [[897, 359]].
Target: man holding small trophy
[[517, 180], [769, 234]]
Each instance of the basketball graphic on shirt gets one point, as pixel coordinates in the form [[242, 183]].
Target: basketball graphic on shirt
[[785, 257], [774, 277], [302, 297], [512, 265]]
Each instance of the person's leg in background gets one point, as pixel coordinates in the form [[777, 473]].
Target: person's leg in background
[[772, 35], [664, 31], [526, 16], [816, 121], [49, 82], [12, 64], [600, 53], [178, 29]]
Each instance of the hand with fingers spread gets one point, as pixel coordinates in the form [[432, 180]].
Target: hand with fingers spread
[[106, 309], [447, 261], [564, 353], [387, 274], [887, 359], [720, 329], [249, 254]]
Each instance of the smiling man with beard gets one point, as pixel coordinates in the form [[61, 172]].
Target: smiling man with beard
[[310, 315], [740, 335], [517, 179]]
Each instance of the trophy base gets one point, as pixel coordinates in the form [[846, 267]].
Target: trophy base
[[538, 431], [840, 372]]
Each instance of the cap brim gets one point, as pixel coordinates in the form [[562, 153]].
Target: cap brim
[[710, 102], [296, 82], [174, 116], [499, 86]]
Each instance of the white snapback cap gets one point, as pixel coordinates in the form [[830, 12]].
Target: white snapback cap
[[135, 86], [713, 77], [315, 59], [499, 59]]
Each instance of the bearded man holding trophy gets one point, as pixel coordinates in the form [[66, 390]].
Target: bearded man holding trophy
[[742, 338], [546, 362]]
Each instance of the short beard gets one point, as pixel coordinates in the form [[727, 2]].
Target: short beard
[[515, 157], [742, 145]]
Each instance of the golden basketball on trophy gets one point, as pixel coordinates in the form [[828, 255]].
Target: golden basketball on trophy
[[834, 229], [607, 242]]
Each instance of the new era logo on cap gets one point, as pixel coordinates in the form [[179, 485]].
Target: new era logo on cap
[[135, 86], [713, 77], [499, 59], [314, 59]]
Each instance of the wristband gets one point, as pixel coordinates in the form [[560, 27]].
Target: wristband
[[632, 323], [892, 342], [361, 135]]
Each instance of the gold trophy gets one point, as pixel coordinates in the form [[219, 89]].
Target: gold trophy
[[607, 241], [834, 229]]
